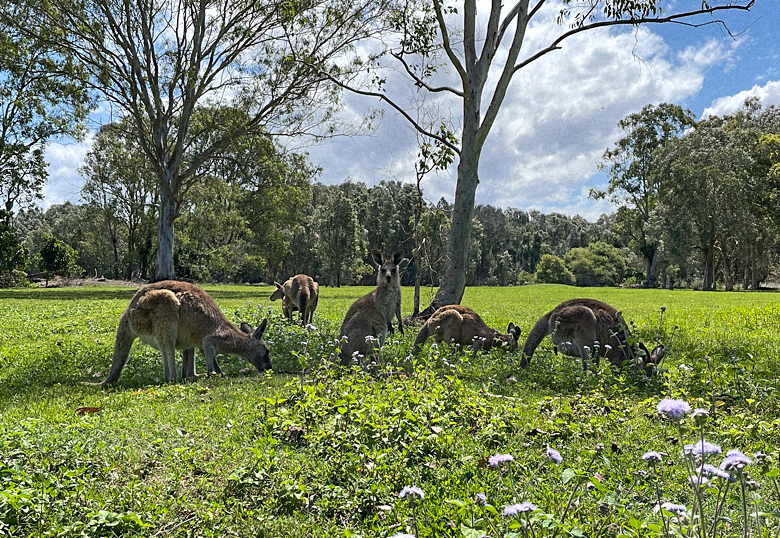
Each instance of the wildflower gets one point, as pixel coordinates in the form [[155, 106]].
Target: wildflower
[[701, 447], [481, 499], [514, 509], [663, 309], [413, 491], [676, 509], [304, 343], [498, 459], [710, 471], [403, 535], [652, 457], [700, 416], [735, 460], [311, 327], [698, 481], [554, 455], [607, 347], [674, 409], [685, 368]]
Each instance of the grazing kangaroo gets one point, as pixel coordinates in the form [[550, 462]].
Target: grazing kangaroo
[[300, 293], [369, 318], [170, 315], [462, 326], [588, 328]]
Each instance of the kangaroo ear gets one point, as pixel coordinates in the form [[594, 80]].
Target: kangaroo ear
[[377, 256], [246, 327], [657, 355], [398, 256], [260, 331]]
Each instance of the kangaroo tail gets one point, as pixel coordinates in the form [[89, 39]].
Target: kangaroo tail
[[124, 341], [422, 336], [535, 337], [303, 299]]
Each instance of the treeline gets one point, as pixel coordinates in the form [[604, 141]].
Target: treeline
[[697, 206]]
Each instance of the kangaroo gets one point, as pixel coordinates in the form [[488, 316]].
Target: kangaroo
[[462, 326], [170, 315], [300, 293], [588, 328], [371, 316]]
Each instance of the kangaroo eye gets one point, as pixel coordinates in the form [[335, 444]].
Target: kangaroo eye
[[393, 270]]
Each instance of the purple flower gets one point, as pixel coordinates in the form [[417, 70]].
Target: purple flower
[[701, 447], [403, 535], [676, 509], [481, 499], [710, 471], [554, 455], [514, 509], [697, 481], [674, 409], [735, 460], [413, 491], [311, 327], [498, 459], [653, 457]]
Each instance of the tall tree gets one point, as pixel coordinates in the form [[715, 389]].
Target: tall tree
[[40, 100], [120, 185], [158, 60], [435, 38], [634, 179]]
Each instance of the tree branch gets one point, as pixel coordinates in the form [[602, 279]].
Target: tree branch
[[676, 18], [421, 83]]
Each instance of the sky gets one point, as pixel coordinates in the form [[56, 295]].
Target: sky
[[560, 113]]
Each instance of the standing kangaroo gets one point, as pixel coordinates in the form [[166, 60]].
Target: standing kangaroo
[[300, 293], [371, 316], [461, 325], [588, 328], [171, 315]]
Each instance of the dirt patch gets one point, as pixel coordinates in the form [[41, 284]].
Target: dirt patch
[[59, 282]]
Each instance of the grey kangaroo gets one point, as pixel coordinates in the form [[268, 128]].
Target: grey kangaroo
[[299, 292], [171, 315], [456, 324], [368, 319], [588, 328]]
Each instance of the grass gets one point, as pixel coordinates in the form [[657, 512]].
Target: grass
[[326, 453]]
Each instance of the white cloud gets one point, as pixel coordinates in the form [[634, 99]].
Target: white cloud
[[769, 94], [64, 182]]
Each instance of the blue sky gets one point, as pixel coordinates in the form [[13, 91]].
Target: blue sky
[[560, 113]]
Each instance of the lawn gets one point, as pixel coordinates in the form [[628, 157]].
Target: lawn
[[322, 451]]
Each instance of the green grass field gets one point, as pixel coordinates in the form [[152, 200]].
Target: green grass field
[[326, 452]]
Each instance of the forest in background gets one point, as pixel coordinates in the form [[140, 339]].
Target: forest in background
[[695, 208]]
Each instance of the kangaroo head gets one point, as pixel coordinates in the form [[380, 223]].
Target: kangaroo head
[[653, 358], [388, 269], [259, 354], [278, 292], [513, 332]]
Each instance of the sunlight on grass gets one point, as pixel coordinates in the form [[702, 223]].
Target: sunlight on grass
[[327, 452]]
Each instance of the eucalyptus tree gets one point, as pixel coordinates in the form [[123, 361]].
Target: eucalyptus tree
[[705, 203], [40, 100], [120, 185], [634, 179], [484, 53], [156, 61]]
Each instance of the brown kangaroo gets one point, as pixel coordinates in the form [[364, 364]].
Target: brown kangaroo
[[369, 318], [588, 328], [300, 293], [170, 315], [462, 326]]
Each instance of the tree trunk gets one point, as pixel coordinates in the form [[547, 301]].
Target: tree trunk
[[753, 273], [728, 279], [453, 283], [165, 269], [709, 268]]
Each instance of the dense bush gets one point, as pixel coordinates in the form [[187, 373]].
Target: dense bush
[[553, 270], [598, 264]]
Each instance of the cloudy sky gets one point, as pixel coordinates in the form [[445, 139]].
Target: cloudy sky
[[560, 113]]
